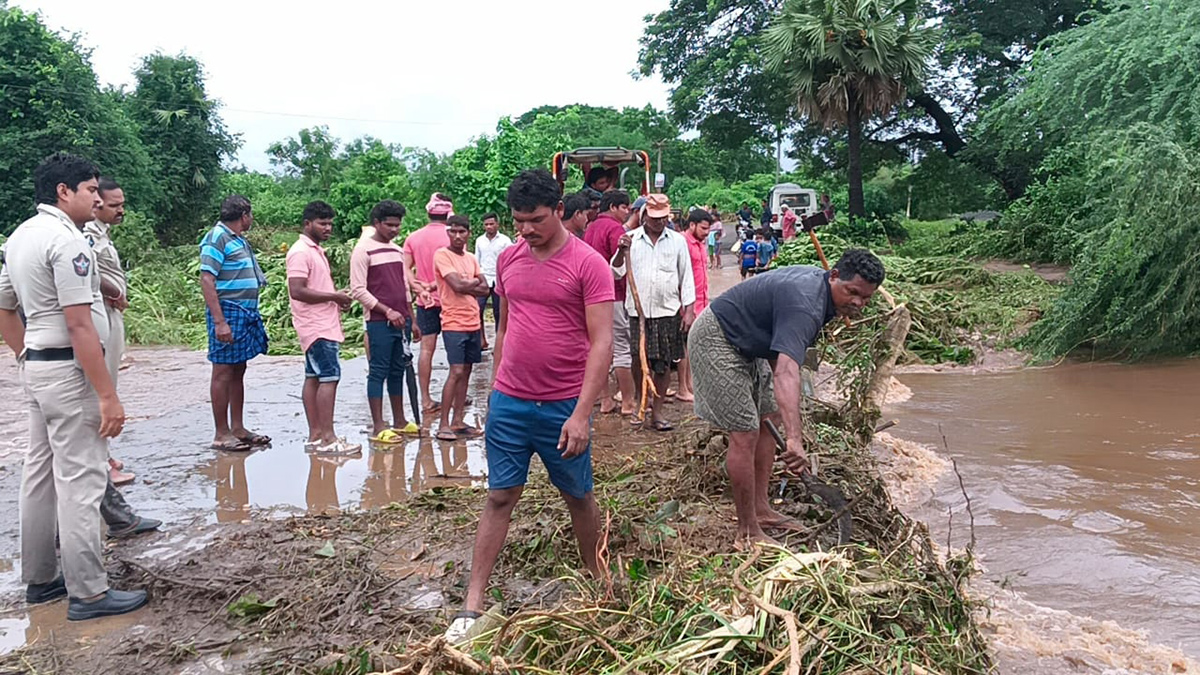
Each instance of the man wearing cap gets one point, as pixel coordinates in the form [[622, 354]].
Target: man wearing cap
[[419, 248], [661, 266], [604, 235]]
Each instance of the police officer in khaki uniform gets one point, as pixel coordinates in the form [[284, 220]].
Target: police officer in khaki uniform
[[50, 273], [118, 515], [111, 213]]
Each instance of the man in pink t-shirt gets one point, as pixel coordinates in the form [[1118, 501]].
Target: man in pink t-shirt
[[696, 235], [419, 248], [557, 302], [316, 314]]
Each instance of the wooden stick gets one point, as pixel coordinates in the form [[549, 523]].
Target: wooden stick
[[812, 234], [647, 381]]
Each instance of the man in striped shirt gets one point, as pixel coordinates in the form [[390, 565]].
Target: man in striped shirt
[[230, 279]]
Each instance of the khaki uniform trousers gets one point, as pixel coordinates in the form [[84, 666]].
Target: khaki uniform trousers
[[114, 349], [64, 479]]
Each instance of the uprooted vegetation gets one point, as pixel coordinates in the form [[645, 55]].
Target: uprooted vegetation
[[371, 592]]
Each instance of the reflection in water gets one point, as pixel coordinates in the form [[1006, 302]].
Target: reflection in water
[[228, 469], [435, 464], [321, 493], [48, 623]]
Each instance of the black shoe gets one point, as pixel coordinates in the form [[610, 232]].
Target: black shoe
[[113, 603], [36, 594], [142, 525]]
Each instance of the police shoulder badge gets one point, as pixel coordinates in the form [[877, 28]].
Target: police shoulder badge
[[83, 264]]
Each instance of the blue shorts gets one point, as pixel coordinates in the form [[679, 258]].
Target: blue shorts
[[516, 429], [321, 361], [429, 320], [462, 348]]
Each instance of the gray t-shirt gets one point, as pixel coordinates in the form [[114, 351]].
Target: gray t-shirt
[[781, 311]]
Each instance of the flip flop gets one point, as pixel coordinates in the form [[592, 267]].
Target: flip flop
[[411, 428], [468, 432], [460, 626], [255, 439], [663, 425], [447, 435], [236, 445], [387, 436], [119, 477]]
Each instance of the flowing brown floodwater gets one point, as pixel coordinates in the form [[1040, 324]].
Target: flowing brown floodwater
[[1083, 481]]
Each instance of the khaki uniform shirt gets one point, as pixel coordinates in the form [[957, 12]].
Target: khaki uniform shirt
[[49, 265], [107, 259]]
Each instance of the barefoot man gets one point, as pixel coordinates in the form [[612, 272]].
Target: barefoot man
[[557, 303], [756, 332]]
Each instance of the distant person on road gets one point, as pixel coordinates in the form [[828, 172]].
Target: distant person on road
[[488, 247], [419, 248], [317, 308], [460, 283], [698, 230], [378, 282], [745, 216], [111, 213], [764, 218], [789, 223], [749, 255], [50, 275], [766, 252], [718, 232], [230, 279], [552, 356], [661, 266], [746, 354], [575, 214], [604, 235]]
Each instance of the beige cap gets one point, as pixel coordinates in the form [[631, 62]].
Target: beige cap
[[658, 206]]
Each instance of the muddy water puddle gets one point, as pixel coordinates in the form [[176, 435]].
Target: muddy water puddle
[[1084, 483]]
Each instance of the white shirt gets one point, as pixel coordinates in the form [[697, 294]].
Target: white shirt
[[663, 272], [488, 251]]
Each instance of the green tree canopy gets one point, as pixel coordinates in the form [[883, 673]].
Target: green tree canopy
[[180, 124], [848, 61]]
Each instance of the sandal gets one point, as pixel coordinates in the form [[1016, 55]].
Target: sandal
[[255, 439], [460, 626], [468, 432], [411, 428], [387, 436], [447, 435], [663, 425], [235, 445]]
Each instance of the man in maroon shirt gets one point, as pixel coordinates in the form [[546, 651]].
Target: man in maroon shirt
[[604, 235]]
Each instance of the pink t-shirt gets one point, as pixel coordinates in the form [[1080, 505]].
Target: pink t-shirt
[[421, 245], [306, 260], [546, 343], [698, 250]]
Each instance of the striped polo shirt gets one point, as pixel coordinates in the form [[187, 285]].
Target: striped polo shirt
[[227, 256]]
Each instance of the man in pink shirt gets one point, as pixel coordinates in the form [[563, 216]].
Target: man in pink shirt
[[789, 223], [603, 235], [696, 235], [558, 295], [317, 308], [419, 248]]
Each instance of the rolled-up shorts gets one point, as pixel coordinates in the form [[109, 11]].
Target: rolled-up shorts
[[517, 429], [321, 361], [622, 356], [733, 392], [429, 320]]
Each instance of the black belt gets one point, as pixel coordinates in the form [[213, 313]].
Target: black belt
[[53, 354]]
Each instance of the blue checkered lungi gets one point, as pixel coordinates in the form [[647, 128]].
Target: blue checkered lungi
[[249, 335]]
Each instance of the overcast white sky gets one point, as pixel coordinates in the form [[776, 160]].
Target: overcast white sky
[[420, 73]]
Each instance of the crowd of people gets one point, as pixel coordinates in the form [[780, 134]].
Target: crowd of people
[[596, 291]]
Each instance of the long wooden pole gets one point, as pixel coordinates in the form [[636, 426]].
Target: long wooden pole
[[647, 381]]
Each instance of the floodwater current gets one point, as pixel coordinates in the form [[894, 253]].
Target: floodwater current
[[1084, 481]]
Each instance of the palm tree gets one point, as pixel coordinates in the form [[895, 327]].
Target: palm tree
[[847, 61]]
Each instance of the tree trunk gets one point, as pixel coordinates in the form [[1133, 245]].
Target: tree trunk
[[858, 208]]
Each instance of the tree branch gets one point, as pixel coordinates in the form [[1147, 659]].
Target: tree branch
[[947, 134]]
